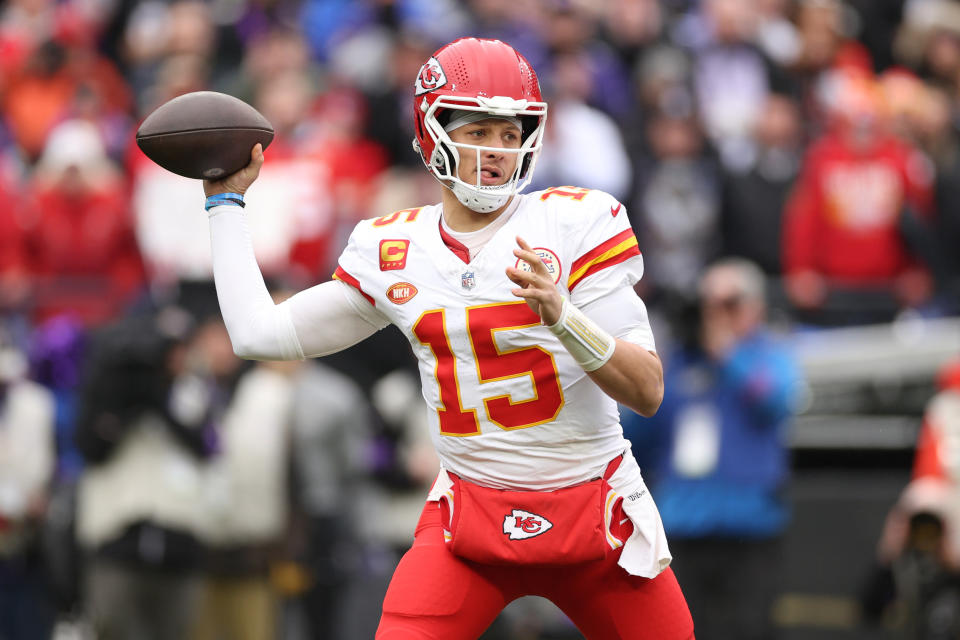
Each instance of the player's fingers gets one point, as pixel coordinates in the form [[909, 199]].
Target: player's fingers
[[521, 277], [514, 277], [526, 294], [256, 160], [535, 262]]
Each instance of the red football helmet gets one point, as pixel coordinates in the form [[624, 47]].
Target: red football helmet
[[486, 76]]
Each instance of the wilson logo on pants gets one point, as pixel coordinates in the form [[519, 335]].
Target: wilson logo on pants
[[520, 525]]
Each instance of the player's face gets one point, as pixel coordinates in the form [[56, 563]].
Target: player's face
[[496, 166]]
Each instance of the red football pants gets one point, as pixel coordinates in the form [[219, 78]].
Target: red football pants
[[435, 595]]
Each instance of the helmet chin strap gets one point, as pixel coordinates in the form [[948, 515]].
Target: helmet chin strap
[[481, 199]]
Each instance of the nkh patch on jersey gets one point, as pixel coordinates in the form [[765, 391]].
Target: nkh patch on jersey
[[401, 292]]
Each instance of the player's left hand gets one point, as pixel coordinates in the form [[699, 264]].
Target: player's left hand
[[536, 285]]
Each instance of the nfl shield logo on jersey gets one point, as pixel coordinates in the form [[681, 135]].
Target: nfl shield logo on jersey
[[468, 280], [520, 525]]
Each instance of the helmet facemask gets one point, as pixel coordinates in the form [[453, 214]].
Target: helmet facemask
[[445, 159]]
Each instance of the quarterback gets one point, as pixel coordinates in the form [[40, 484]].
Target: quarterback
[[521, 312]]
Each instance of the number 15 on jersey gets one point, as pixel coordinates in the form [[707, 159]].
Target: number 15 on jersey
[[492, 364]]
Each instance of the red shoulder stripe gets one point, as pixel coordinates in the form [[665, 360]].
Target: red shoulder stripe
[[342, 275]]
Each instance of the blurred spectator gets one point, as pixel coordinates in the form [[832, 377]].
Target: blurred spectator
[[37, 96], [677, 208], [754, 198], [332, 430], [245, 490], [570, 30], [57, 356], [938, 135], [928, 41], [586, 145], [163, 202], [80, 249], [157, 32], [775, 33], [275, 52], [731, 76], [296, 199], [341, 114], [820, 25], [26, 468], [14, 283], [845, 257], [918, 559], [520, 23], [702, 113], [140, 504], [718, 462], [24, 26], [389, 104], [877, 22], [298, 187], [62, 76], [630, 26], [935, 456], [662, 79], [57, 353], [387, 123], [331, 24]]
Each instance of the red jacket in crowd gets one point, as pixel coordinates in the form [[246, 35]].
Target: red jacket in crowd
[[11, 235], [82, 253], [842, 219]]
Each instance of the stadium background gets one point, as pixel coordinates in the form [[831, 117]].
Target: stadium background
[[702, 117]]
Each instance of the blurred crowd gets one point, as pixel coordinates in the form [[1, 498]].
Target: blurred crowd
[[815, 141]]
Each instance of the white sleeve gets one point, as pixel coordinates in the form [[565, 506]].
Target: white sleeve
[[262, 330], [332, 316], [623, 314]]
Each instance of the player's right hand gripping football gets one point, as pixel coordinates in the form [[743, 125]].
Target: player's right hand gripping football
[[240, 181]]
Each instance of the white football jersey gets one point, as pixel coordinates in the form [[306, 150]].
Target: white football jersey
[[508, 406]]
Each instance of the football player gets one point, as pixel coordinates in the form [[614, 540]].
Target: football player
[[521, 312]]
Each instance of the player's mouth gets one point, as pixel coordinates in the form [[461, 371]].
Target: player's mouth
[[490, 175]]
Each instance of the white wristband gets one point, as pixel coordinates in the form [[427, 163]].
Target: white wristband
[[586, 341]]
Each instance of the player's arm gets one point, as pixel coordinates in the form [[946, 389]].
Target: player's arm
[[320, 320], [628, 372]]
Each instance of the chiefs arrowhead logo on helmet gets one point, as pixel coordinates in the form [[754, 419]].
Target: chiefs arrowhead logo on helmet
[[431, 77], [520, 525]]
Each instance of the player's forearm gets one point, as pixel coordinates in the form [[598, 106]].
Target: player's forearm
[[627, 372], [633, 377], [258, 328]]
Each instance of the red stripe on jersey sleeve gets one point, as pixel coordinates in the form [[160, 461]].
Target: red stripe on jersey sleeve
[[617, 249], [342, 275]]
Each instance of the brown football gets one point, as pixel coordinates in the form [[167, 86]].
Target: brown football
[[204, 134]]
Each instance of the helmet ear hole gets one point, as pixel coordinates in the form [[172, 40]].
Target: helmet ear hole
[[445, 158], [419, 127]]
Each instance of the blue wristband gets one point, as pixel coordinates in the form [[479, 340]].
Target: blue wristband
[[218, 199]]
